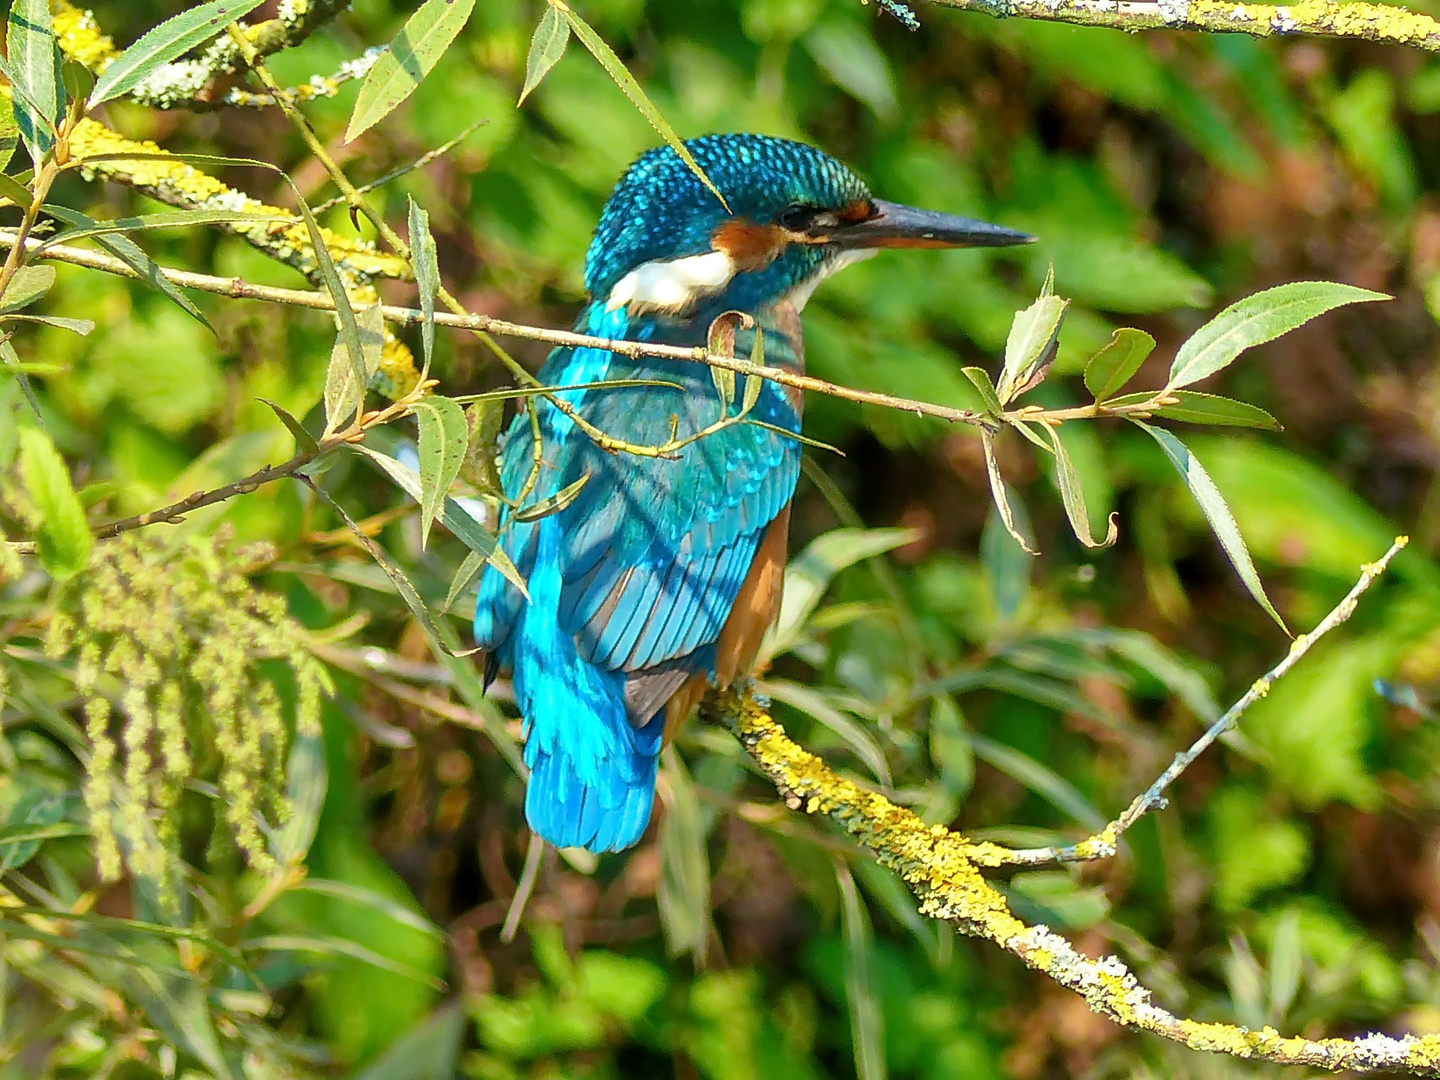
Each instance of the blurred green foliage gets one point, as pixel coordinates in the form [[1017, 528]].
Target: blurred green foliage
[[1295, 880]]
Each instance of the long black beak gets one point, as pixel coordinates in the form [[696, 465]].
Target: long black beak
[[896, 226]]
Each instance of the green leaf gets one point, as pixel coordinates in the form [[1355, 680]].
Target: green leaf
[[28, 284], [1257, 319], [867, 1021], [1194, 407], [1217, 513], [163, 43], [980, 378], [75, 326], [815, 703], [128, 252], [304, 441], [34, 63], [552, 504], [65, 539], [11, 188], [632, 90], [344, 312], [428, 1051], [809, 575], [35, 808], [480, 469], [427, 278], [547, 45], [1041, 779], [369, 898], [163, 219], [683, 891], [1000, 494], [444, 437], [1072, 494], [472, 565], [410, 57], [1030, 346], [1114, 365], [344, 398], [9, 140], [469, 531]]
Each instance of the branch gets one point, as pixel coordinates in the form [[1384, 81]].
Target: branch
[[942, 869], [1103, 844], [1318, 18]]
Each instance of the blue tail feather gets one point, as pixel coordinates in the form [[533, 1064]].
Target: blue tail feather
[[592, 775]]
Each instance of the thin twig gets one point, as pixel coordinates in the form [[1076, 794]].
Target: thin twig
[[1103, 844], [523, 890]]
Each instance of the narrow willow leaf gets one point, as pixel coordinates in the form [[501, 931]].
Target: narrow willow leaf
[[1072, 494], [724, 380], [427, 278], [547, 45], [176, 35], [164, 219], [344, 312], [11, 188], [1114, 365], [998, 493], [1030, 346], [553, 504], [1286, 964], [35, 808], [410, 57], [444, 438], [980, 379], [466, 529], [306, 778], [1194, 407], [631, 89], [341, 397], [34, 63], [128, 252], [683, 891], [1257, 319], [75, 326], [27, 285], [752, 386], [369, 898], [304, 441], [867, 1021], [1216, 512], [77, 80], [480, 468], [1039, 778], [393, 571], [474, 562], [9, 140], [64, 536], [325, 945]]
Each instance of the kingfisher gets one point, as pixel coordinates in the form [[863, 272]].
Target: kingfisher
[[662, 573]]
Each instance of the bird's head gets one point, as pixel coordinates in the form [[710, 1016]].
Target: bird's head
[[666, 244]]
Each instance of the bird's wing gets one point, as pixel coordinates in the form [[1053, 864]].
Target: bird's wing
[[655, 548]]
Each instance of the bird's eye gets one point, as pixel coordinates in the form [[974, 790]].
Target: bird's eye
[[795, 218]]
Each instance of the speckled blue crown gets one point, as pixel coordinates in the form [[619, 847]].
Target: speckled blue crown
[[661, 210]]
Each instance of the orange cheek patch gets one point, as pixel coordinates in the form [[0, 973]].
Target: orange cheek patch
[[853, 213], [750, 246]]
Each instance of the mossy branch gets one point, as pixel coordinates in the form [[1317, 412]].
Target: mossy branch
[[1317, 18], [943, 869]]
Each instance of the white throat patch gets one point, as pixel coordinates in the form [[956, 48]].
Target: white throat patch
[[800, 295], [672, 284]]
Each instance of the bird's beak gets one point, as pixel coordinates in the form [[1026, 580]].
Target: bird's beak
[[895, 226]]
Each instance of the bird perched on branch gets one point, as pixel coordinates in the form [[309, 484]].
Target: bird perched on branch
[[663, 573]]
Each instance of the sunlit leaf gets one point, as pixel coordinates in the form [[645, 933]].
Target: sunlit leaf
[[33, 60], [1217, 513], [1261, 317], [547, 45], [683, 891], [444, 437], [551, 504], [305, 780], [411, 56], [980, 378], [161, 219], [64, 537], [176, 35], [867, 1021], [1039, 778], [1194, 407], [1072, 494], [631, 89], [1000, 494], [304, 441], [472, 564], [1114, 365], [1030, 346], [814, 703], [75, 326], [344, 387], [427, 278], [27, 285]]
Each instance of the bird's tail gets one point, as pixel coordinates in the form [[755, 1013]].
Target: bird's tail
[[592, 775]]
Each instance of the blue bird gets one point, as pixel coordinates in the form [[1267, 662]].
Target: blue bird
[[663, 573]]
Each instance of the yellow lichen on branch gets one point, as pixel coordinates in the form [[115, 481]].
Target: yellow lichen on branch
[[942, 869]]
